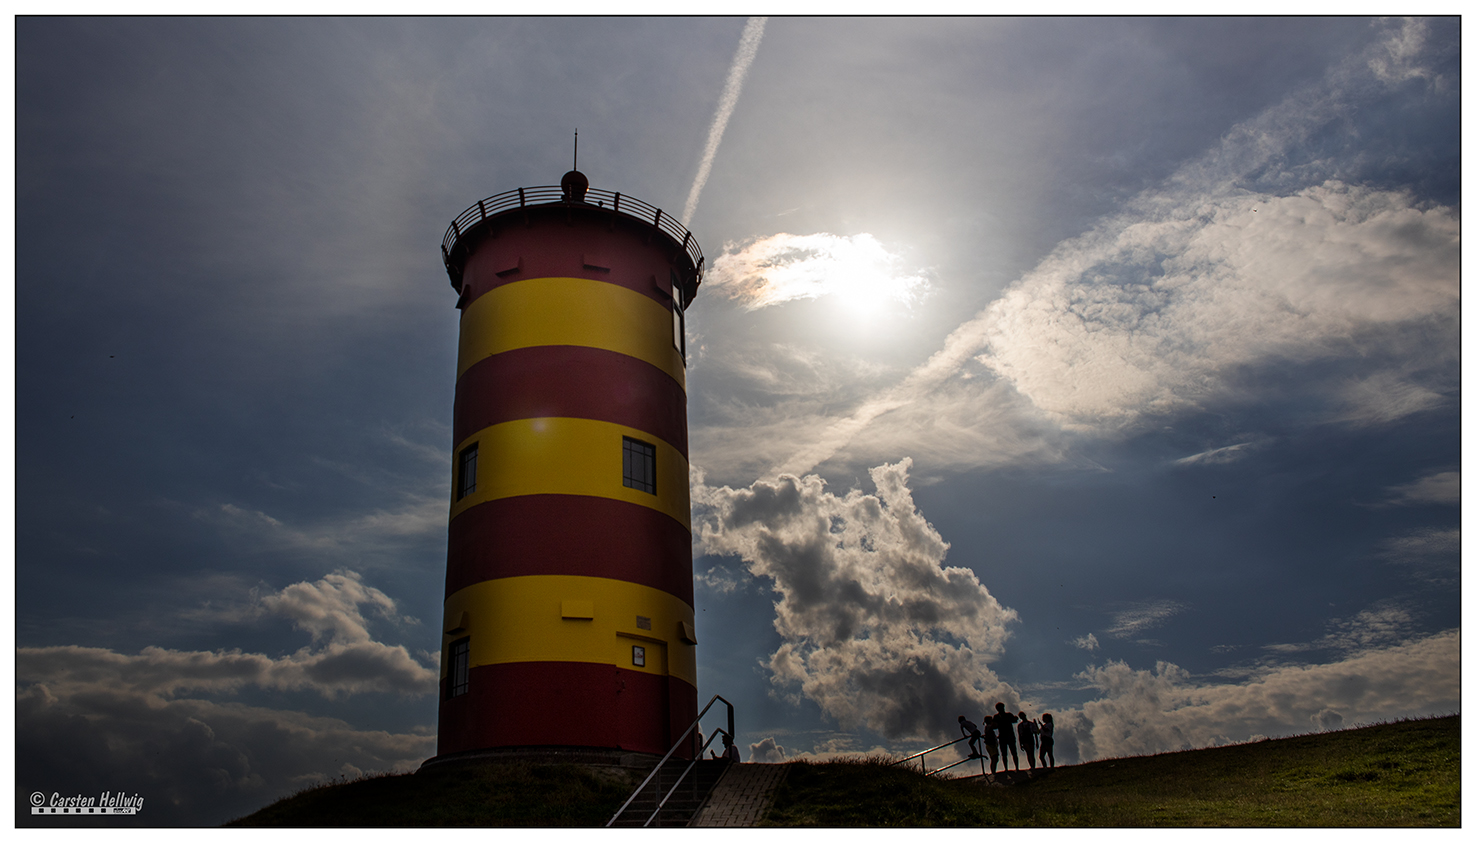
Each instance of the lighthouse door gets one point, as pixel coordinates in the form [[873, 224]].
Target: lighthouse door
[[643, 713]]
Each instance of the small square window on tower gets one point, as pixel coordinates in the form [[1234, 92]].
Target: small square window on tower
[[640, 465], [466, 471], [458, 679]]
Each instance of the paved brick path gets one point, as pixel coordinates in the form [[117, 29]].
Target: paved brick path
[[740, 796]]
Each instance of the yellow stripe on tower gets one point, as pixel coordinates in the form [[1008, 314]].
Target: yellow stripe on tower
[[569, 311], [523, 619], [563, 456]]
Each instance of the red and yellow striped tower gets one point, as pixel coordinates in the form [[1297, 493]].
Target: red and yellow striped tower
[[568, 618]]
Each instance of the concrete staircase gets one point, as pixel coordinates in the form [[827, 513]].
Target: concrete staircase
[[688, 799]]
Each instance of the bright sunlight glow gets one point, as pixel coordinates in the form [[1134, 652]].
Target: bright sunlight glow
[[856, 272]]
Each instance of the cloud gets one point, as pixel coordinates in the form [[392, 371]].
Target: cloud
[[876, 630], [1430, 555], [1380, 625], [329, 608], [1221, 456], [1398, 57], [1141, 616], [748, 44], [719, 580], [961, 424], [93, 719], [196, 762], [1443, 487], [420, 516], [1167, 709], [1239, 261], [766, 751], [1383, 397], [1159, 315], [1086, 642], [772, 270], [1327, 720], [347, 660]]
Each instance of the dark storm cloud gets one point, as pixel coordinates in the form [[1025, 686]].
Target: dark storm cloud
[[94, 719], [875, 628], [196, 762]]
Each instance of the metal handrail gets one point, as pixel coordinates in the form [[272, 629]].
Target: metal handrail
[[681, 778], [616, 202], [923, 755], [664, 758]]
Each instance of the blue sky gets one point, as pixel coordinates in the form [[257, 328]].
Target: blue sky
[[1105, 367]]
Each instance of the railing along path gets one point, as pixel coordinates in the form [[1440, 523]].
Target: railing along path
[[690, 765], [923, 760]]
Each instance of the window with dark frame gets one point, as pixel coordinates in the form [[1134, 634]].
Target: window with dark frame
[[678, 318], [460, 673], [466, 471], [640, 465]]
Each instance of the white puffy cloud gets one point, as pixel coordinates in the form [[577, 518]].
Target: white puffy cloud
[[782, 267], [766, 751], [329, 608], [1165, 709], [876, 629], [1086, 642], [347, 659]]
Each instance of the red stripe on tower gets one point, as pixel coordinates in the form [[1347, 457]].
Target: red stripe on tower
[[568, 616]]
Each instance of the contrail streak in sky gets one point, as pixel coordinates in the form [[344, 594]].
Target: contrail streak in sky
[[748, 46]]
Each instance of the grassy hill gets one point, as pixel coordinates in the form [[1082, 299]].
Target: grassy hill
[[1393, 774]]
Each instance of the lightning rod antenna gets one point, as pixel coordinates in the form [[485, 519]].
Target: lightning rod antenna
[[576, 149]]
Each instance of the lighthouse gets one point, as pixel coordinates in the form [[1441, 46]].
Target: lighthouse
[[569, 621]]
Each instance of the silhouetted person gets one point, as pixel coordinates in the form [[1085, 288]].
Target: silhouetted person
[[991, 742], [1028, 730], [1004, 722], [972, 731], [1047, 739], [730, 752]]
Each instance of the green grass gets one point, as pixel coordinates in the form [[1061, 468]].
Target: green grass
[[510, 793], [1394, 774]]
